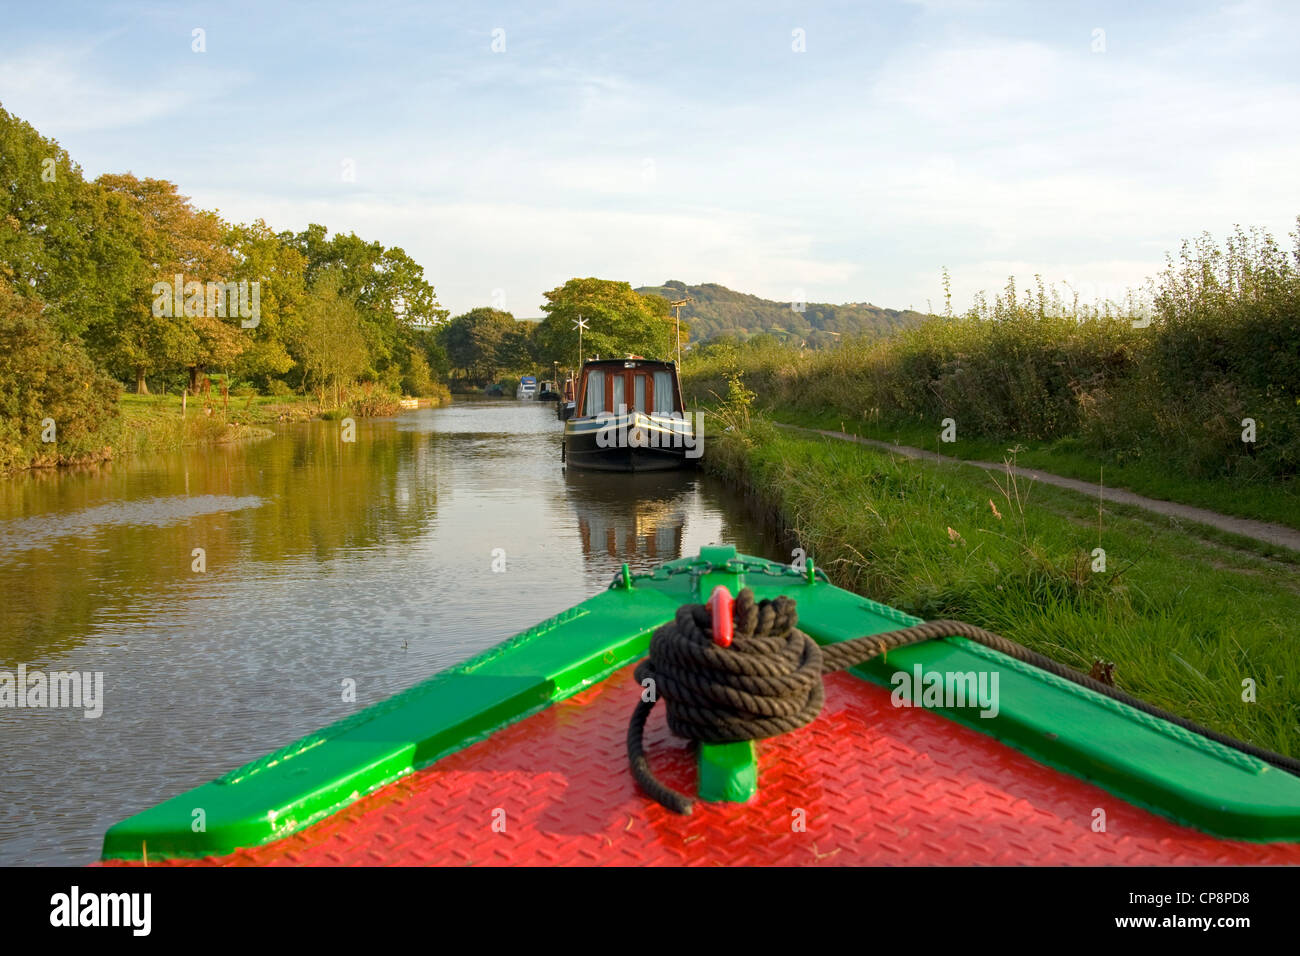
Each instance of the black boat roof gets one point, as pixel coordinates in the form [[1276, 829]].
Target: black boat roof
[[628, 362]]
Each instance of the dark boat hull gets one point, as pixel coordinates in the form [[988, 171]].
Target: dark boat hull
[[583, 449]]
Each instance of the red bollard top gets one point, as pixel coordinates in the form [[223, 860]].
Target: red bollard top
[[721, 603]]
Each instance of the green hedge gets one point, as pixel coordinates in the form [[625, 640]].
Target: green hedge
[[1221, 344]]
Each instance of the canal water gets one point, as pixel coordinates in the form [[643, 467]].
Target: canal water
[[323, 565]]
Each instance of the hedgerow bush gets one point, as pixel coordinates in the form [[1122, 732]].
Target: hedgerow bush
[[46, 378], [1216, 346]]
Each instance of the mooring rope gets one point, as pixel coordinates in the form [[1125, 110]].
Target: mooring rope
[[769, 681]]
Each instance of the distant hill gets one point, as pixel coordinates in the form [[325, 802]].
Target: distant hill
[[719, 311]]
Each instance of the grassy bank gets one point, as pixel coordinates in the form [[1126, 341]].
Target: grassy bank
[[1192, 395], [155, 423], [1186, 618], [1276, 500], [129, 424]]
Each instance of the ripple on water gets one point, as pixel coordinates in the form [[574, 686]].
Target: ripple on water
[[24, 534]]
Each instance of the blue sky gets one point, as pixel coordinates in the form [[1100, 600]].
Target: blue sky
[[693, 141]]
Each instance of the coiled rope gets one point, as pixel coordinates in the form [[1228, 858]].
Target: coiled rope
[[769, 681]]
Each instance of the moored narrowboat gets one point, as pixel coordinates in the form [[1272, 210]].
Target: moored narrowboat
[[629, 416], [527, 390], [937, 747], [567, 405]]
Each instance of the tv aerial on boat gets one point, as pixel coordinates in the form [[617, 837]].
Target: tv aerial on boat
[[580, 324]]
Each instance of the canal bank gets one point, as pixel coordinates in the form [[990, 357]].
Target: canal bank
[[145, 424]]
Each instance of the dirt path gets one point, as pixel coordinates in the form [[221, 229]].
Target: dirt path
[[1247, 527]]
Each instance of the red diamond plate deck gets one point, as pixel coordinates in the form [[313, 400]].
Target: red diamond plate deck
[[876, 785]]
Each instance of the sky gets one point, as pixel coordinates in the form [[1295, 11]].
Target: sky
[[833, 152]]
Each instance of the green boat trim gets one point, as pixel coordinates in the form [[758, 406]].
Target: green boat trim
[[1146, 761]]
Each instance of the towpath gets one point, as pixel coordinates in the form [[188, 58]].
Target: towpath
[[1266, 531]]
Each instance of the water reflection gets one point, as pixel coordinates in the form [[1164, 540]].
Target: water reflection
[[325, 561], [118, 543], [637, 518]]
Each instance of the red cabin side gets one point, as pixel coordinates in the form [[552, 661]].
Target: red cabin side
[[629, 371]]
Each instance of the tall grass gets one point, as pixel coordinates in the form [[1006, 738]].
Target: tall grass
[[152, 423], [1171, 376]]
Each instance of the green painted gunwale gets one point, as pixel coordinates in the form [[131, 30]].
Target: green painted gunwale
[[1143, 760]]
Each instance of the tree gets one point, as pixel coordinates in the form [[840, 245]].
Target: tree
[[517, 351], [49, 389], [401, 292], [102, 259], [620, 321], [393, 300], [418, 379], [63, 240], [477, 342], [331, 347], [176, 239], [426, 344], [279, 268]]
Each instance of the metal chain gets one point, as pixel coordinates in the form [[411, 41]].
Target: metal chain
[[736, 565]]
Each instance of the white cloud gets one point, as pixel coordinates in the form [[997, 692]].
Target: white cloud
[[469, 249], [972, 83], [51, 92], [855, 181], [955, 6], [68, 89]]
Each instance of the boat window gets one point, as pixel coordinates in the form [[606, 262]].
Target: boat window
[[620, 399], [638, 393], [595, 402], [663, 393]]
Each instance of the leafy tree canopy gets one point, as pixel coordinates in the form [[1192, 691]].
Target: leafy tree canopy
[[478, 343], [620, 321]]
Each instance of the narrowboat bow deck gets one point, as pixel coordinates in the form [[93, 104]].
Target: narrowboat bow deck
[[519, 756]]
